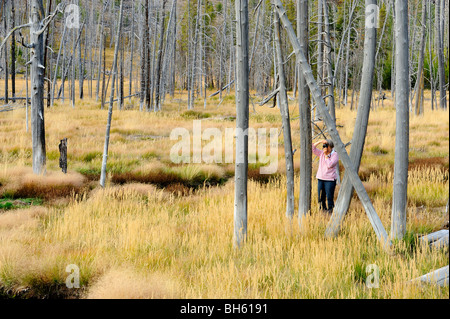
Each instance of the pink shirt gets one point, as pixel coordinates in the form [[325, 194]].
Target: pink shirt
[[327, 165]]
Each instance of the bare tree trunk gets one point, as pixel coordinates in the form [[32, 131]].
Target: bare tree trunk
[[57, 65], [419, 81], [284, 109], [440, 54], [37, 87], [13, 53], [304, 206], [111, 99], [194, 57], [361, 123], [242, 119], [402, 88], [100, 54], [329, 79], [131, 50], [104, 71], [5, 25], [121, 82], [160, 59], [430, 50]]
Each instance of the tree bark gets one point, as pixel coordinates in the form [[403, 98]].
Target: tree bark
[[13, 53], [419, 80], [160, 59], [402, 88], [305, 186], [440, 54], [37, 87], [242, 119], [111, 100], [284, 109]]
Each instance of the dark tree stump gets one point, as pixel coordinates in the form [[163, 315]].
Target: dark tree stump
[[63, 155]]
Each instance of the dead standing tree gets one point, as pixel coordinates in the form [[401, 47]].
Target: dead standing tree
[[111, 99], [38, 24], [242, 119], [284, 109], [305, 116], [399, 196]]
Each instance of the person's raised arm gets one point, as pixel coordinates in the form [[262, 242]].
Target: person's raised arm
[[315, 150]]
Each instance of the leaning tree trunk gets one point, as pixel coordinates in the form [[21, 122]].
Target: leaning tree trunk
[[111, 99], [339, 145], [362, 120], [284, 108], [242, 119], [399, 200], [37, 87], [304, 206]]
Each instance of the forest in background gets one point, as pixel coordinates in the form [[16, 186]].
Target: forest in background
[[190, 46]]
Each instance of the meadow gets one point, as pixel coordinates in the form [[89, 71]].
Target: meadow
[[164, 230]]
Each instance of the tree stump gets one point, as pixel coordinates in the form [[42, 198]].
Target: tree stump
[[63, 155]]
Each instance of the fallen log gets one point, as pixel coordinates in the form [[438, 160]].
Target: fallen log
[[430, 238], [441, 243], [438, 277]]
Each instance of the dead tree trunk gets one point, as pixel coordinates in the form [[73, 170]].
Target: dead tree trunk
[[194, 57], [13, 53], [160, 59], [402, 88], [5, 25], [111, 99], [242, 119], [440, 54], [419, 80], [284, 109], [37, 87], [63, 155], [304, 206]]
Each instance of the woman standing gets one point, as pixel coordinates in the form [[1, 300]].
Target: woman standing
[[326, 174]]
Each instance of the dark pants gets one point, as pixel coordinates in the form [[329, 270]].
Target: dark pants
[[326, 194]]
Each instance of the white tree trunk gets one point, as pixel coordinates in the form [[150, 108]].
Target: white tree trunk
[[37, 87], [304, 206], [242, 119], [284, 109], [402, 89], [111, 99]]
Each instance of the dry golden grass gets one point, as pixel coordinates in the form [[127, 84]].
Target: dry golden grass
[[137, 240]]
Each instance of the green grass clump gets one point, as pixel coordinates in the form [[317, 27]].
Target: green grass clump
[[194, 115]]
